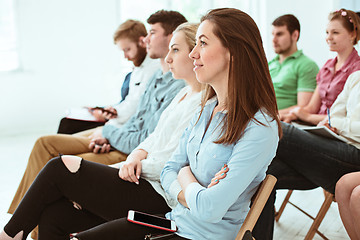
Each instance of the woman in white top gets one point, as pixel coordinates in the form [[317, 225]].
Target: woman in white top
[[346, 117], [306, 161], [87, 189]]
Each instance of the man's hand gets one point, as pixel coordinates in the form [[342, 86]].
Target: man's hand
[[109, 113], [103, 114], [98, 114], [288, 118], [301, 114], [218, 176], [99, 145], [96, 134]]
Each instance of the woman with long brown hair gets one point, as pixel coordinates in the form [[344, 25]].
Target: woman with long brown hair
[[238, 114]]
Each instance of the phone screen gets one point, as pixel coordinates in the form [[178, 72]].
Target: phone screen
[[140, 217]]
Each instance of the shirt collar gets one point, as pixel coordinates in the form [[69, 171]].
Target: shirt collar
[[211, 104], [166, 77], [331, 64], [295, 55]]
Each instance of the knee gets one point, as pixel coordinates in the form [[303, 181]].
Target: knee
[[342, 188], [72, 163], [42, 141], [355, 198]]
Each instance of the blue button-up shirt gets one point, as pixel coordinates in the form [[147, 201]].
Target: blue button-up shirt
[[159, 93], [219, 211]]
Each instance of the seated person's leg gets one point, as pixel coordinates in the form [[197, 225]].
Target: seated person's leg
[[347, 194], [94, 187], [320, 160], [45, 148], [120, 229], [287, 178], [111, 157], [87, 133], [60, 219]]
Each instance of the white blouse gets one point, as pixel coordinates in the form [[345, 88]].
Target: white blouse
[[345, 112], [161, 143]]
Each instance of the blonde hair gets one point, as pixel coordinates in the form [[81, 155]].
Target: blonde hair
[[189, 29]]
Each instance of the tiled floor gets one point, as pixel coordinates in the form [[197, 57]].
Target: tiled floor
[[293, 225]]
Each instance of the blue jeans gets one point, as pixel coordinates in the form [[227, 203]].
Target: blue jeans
[[305, 161]]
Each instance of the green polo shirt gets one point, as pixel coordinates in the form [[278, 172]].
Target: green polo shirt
[[297, 73]]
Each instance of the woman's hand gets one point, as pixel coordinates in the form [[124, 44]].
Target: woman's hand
[[181, 199], [325, 122], [331, 128], [185, 177], [219, 175], [131, 169]]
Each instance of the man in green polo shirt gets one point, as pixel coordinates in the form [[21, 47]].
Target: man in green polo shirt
[[293, 74]]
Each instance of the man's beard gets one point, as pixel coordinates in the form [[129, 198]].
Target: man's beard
[[140, 56], [286, 50]]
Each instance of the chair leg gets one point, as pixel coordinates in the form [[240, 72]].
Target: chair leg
[[320, 216], [282, 207]]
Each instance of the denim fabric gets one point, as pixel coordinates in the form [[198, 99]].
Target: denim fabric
[[219, 211], [159, 93], [305, 161]]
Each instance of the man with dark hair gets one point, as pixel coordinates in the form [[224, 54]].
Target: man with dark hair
[[293, 74], [168, 20], [160, 91]]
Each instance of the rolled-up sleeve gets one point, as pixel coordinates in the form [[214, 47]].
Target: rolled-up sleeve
[[248, 159], [177, 161]]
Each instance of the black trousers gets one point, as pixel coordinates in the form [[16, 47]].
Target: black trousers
[[71, 126], [305, 161], [104, 197]]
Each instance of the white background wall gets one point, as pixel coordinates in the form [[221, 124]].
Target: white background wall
[[68, 57]]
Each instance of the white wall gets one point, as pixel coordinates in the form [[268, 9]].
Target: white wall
[[68, 57], [313, 22]]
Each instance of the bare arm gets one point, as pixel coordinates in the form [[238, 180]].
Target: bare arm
[[303, 98], [315, 102]]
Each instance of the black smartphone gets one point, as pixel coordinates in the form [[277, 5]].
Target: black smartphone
[[151, 221]]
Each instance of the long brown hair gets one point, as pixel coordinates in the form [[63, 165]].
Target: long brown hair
[[250, 88]]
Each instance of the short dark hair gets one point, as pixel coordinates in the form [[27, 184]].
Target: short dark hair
[[288, 20], [169, 20]]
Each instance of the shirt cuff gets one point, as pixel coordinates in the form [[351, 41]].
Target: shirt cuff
[[106, 131], [175, 189], [191, 192]]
